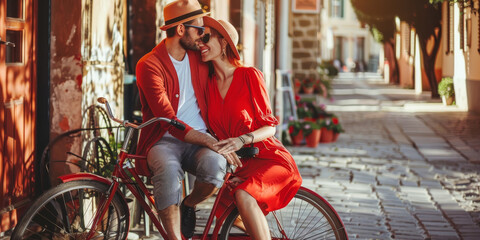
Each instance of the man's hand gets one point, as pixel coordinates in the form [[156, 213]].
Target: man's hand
[[203, 139], [233, 159], [229, 145], [227, 148]]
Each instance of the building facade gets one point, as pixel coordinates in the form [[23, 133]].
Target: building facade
[[461, 51], [345, 41], [59, 56]]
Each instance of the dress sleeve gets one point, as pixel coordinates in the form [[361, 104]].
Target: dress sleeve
[[263, 112], [152, 82]]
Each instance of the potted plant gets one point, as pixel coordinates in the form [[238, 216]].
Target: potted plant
[[295, 131], [323, 86], [312, 133], [331, 128], [308, 85], [304, 112], [446, 90], [297, 85], [336, 128]]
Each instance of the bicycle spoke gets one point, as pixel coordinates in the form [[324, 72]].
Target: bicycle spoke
[[67, 213], [307, 216]]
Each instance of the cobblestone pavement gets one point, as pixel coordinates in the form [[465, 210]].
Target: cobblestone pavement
[[406, 167]]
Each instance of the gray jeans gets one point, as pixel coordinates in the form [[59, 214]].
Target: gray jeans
[[170, 157]]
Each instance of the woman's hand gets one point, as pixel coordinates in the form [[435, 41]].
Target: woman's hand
[[229, 145]]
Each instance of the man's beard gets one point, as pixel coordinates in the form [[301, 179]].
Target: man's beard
[[187, 42]]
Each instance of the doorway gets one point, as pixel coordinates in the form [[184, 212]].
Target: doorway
[[17, 107]]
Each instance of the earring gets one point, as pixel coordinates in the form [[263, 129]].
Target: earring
[[223, 53]]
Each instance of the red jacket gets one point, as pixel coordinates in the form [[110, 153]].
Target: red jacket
[[158, 86]]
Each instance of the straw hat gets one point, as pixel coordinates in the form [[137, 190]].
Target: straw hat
[[181, 11], [226, 29]]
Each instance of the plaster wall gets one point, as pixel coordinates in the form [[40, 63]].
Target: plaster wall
[[86, 63], [66, 78], [472, 61], [406, 57]]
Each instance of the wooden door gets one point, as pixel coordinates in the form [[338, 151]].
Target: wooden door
[[17, 107]]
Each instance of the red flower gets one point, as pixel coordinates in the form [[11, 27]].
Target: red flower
[[297, 98], [290, 129], [335, 121]]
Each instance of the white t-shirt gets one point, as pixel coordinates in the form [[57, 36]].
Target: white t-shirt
[[188, 110]]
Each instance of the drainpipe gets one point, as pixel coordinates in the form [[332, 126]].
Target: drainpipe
[[283, 65], [283, 47]]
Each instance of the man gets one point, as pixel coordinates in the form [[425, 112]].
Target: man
[[171, 80]]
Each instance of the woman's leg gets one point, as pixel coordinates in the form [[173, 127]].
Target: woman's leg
[[252, 215]]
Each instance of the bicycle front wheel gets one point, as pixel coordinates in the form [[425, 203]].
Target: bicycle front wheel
[[306, 217], [67, 212]]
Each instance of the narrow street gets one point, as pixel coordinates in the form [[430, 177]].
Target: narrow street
[[407, 167]]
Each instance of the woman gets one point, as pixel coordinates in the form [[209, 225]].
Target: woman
[[239, 114]]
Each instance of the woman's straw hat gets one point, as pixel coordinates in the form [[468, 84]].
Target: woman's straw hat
[[181, 11], [226, 29]]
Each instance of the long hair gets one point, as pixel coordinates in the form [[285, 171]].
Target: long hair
[[229, 52]]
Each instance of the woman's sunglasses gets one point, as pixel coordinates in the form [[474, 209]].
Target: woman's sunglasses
[[200, 29], [205, 38]]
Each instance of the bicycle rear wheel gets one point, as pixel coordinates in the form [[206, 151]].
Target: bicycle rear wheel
[[306, 217], [67, 211]]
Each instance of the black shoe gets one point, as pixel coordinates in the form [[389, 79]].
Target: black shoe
[[188, 220]]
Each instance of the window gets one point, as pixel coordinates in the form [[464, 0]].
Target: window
[[15, 8], [14, 53], [336, 8]]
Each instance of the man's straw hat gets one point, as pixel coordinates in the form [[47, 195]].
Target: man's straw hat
[[181, 11], [227, 30]]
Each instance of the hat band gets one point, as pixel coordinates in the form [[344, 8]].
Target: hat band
[[185, 16]]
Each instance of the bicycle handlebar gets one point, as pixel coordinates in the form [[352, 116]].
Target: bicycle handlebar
[[126, 123]]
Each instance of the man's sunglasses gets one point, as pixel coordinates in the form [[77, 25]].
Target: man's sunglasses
[[199, 28], [205, 38]]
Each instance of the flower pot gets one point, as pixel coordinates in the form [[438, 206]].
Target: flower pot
[[327, 136], [313, 138], [297, 140], [335, 136], [297, 85], [307, 90], [447, 100]]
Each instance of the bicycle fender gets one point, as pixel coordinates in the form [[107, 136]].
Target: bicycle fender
[[84, 176]]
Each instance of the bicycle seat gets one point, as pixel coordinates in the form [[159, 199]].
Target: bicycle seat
[[247, 152]]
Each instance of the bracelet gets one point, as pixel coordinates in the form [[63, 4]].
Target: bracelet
[[242, 139], [250, 135]]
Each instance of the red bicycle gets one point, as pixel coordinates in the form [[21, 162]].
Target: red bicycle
[[88, 206]]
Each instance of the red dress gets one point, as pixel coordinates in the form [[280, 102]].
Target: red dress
[[272, 177]]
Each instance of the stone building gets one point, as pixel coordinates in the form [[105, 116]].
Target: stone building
[[305, 44]]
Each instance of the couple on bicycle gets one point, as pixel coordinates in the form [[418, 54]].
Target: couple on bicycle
[[195, 76]]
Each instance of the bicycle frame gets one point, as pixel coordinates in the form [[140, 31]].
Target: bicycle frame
[[123, 173]]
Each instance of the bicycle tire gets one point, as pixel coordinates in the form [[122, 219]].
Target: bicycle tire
[[306, 217], [67, 211]]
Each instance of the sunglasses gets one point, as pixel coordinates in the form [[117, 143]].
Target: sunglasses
[[199, 28], [205, 38]]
